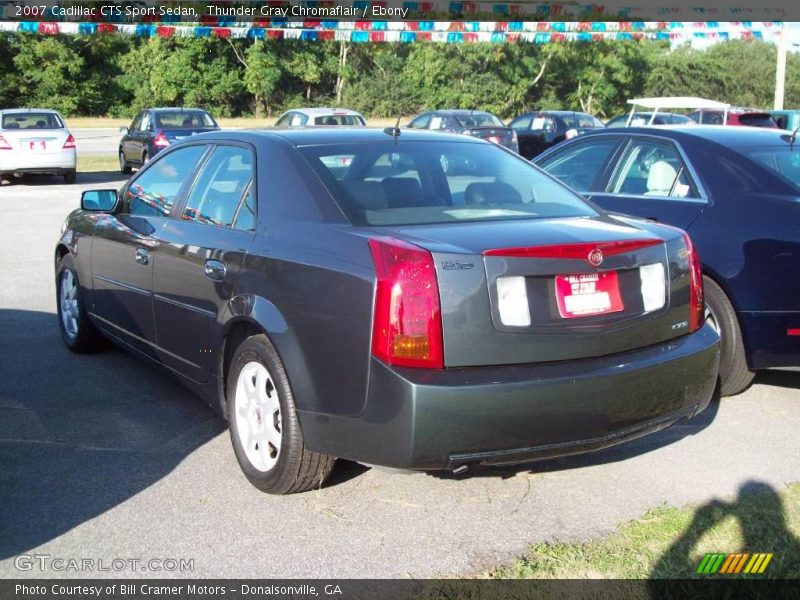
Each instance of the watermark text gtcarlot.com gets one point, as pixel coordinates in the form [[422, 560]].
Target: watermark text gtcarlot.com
[[48, 562]]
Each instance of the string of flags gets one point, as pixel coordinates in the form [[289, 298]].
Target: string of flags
[[451, 32]]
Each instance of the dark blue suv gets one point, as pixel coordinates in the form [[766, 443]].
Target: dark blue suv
[[154, 129]]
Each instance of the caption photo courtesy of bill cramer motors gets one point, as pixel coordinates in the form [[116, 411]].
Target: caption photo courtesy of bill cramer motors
[[399, 299]]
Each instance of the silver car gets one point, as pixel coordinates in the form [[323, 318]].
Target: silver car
[[309, 117], [35, 141]]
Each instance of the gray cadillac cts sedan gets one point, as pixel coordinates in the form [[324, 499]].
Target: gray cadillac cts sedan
[[335, 293]]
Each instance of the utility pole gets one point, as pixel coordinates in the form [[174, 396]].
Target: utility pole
[[780, 71]]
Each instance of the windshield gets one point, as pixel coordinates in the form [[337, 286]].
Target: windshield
[[784, 161], [478, 120], [347, 120], [189, 119], [405, 183], [32, 120]]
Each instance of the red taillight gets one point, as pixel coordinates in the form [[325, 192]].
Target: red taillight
[[407, 323], [697, 305], [70, 143], [161, 141], [4, 145]]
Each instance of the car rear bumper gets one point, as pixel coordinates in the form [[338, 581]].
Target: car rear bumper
[[44, 163], [768, 340], [502, 415]]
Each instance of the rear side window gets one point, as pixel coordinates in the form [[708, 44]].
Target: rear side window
[[32, 120], [220, 187], [154, 191], [652, 168], [420, 182], [579, 165]]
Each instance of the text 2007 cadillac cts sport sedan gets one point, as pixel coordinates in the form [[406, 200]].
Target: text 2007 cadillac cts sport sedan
[[336, 294]]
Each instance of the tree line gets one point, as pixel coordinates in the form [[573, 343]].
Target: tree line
[[115, 75]]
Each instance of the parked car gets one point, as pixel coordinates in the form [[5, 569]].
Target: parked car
[[35, 141], [154, 129], [537, 131], [308, 117], [474, 123], [736, 190], [641, 119], [383, 311], [786, 119], [734, 116]]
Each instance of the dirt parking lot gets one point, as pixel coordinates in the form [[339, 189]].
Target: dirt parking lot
[[106, 457]]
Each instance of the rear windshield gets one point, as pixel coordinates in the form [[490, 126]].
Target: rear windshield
[[345, 120], [189, 119], [758, 120], [784, 161], [416, 182], [478, 120], [32, 120]]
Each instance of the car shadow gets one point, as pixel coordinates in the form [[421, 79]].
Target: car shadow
[[624, 451], [777, 378], [80, 434], [82, 178]]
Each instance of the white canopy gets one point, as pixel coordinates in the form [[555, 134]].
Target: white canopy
[[688, 102], [679, 102]]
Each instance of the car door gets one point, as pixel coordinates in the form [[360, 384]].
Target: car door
[[124, 244], [198, 258], [144, 136], [129, 139], [652, 178]]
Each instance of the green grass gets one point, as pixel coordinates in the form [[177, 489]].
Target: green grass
[[669, 542], [91, 163]]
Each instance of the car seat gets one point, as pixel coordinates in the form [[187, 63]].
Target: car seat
[[497, 192], [187, 122], [660, 179]]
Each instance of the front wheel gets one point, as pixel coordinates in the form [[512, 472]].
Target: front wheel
[[124, 167], [734, 374], [264, 428], [77, 331]]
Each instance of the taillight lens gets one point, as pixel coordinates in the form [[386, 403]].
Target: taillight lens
[[161, 141], [407, 322], [697, 305], [70, 143], [4, 145]]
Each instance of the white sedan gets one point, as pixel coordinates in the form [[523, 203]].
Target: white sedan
[[35, 141]]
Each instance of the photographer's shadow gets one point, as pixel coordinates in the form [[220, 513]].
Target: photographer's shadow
[[760, 514]]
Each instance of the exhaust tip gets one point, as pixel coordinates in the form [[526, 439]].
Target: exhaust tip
[[460, 470]]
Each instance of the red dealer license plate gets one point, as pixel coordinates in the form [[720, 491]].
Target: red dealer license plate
[[585, 294]]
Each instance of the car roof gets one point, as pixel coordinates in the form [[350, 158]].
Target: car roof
[[554, 112], [458, 112], [27, 110], [323, 111], [175, 108], [727, 135], [312, 136]]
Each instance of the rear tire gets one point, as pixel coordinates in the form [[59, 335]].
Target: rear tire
[[734, 374], [264, 428], [124, 167], [70, 177], [78, 332]]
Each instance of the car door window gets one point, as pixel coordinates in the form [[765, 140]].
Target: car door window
[[246, 219], [298, 120], [588, 121], [284, 120], [146, 121], [522, 123], [436, 123], [220, 186], [420, 122], [136, 122], [652, 168], [154, 191], [579, 165]]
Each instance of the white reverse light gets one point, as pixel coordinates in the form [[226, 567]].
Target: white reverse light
[[654, 289], [512, 301]]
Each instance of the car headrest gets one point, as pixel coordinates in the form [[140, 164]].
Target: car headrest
[[660, 178], [402, 191], [368, 195], [497, 192]]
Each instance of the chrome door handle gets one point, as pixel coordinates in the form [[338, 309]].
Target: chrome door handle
[[142, 256], [215, 269]]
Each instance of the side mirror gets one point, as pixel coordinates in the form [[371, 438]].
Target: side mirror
[[99, 200], [123, 130]]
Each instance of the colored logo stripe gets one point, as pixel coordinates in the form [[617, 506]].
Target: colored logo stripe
[[731, 564]]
